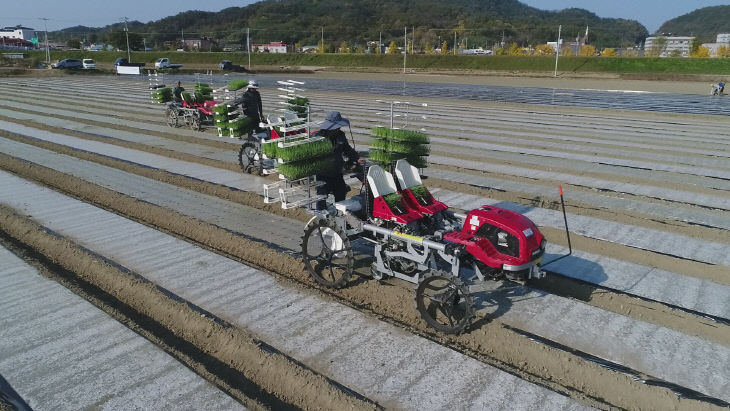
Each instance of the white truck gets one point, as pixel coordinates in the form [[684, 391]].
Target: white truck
[[164, 62]]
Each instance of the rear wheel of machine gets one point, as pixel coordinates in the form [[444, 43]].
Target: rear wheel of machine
[[250, 159], [195, 121], [444, 303], [172, 117], [327, 253]]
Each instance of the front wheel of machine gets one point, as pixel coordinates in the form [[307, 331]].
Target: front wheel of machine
[[444, 302], [327, 253], [249, 159]]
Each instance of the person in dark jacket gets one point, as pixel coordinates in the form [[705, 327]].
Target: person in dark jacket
[[251, 104], [177, 92], [341, 149]]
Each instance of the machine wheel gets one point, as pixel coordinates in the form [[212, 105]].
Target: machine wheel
[[327, 253], [444, 302], [249, 158], [194, 121], [172, 117]]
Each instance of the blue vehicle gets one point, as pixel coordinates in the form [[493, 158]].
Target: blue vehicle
[[122, 61]]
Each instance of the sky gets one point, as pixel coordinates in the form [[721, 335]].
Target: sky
[[97, 13]]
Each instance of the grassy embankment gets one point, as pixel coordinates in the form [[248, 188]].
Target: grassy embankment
[[425, 62]]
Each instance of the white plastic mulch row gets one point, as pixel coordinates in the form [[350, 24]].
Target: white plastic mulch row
[[375, 359], [58, 351], [648, 282]]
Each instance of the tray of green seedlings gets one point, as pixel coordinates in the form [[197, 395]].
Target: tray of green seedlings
[[422, 194], [187, 97], [240, 126], [269, 148], [237, 84], [203, 88], [313, 148], [162, 95], [391, 145], [220, 116], [299, 105], [304, 157], [395, 203], [305, 168]]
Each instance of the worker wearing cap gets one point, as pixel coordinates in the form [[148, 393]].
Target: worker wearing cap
[[334, 181], [251, 103]]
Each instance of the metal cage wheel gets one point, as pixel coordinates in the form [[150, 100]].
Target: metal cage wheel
[[444, 302], [327, 253], [172, 117], [194, 121], [249, 158]]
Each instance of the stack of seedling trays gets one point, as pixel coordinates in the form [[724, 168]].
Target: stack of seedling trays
[[161, 95], [299, 105], [157, 83], [302, 157], [392, 144], [221, 115], [203, 92], [239, 126]]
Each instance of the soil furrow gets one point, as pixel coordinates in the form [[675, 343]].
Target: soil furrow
[[372, 298]]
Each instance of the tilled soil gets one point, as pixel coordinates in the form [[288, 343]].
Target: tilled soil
[[274, 379], [490, 341]]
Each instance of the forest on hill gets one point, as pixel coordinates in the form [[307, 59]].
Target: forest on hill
[[704, 23], [481, 23]]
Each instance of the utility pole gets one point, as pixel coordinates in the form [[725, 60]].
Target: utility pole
[[557, 51], [248, 46], [405, 47], [380, 43], [454, 43], [48, 51], [322, 40], [126, 31], [144, 44]]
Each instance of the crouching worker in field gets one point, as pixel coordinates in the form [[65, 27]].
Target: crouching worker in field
[[334, 181]]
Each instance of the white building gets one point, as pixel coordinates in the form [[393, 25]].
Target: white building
[[273, 47], [18, 32], [674, 45], [723, 38]]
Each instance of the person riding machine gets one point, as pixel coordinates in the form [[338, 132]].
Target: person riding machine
[[334, 181]]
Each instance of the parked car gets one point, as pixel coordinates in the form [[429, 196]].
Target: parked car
[[67, 64], [88, 64], [164, 62], [122, 61], [227, 65]]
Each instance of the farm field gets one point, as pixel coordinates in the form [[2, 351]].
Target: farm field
[[159, 224]]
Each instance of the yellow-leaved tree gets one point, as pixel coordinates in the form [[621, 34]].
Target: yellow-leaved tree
[[609, 53], [515, 50], [344, 48], [702, 52], [544, 50], [723, 52], [429, 49], [392, 48], [587, 51], [444, 48]]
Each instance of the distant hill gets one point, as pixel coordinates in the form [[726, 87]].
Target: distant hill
[[478, 22], [705, 23]]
